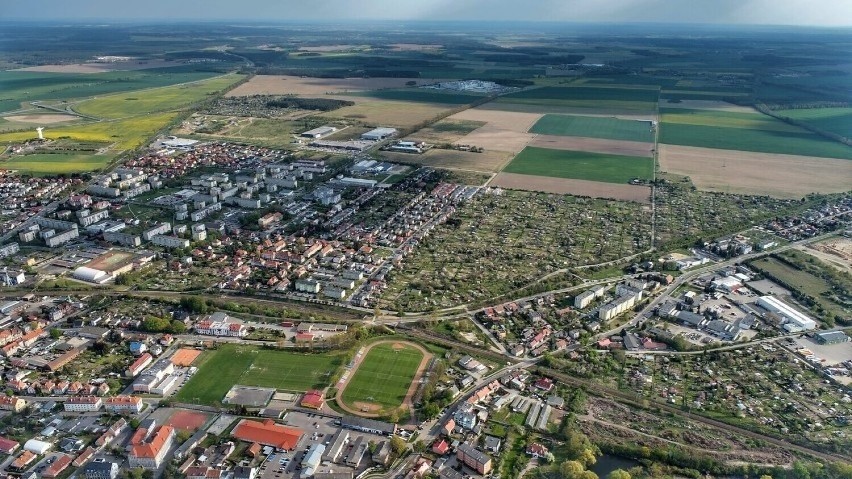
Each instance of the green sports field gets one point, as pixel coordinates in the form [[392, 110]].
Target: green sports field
[[594, 127], [220, 369], [383, 377], [580, 165]]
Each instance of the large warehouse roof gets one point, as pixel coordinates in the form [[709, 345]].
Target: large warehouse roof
[[90, 274]]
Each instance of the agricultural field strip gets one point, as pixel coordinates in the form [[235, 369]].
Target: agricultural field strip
[[594, 127], [580, 165]]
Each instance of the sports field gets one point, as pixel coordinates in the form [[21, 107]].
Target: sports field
[[154, 100], [383, 377], [834, 120], [43, 164], [594, 127], [220, 369], [580, 165]]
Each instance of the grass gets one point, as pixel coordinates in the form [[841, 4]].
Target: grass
[[154, 100], [802, 281], [383, 377], [25, 86], [834, 120], [125, 134], [230, 364], [580, 165], [725, 119], [593, 127], [55, 163], [422, 95]]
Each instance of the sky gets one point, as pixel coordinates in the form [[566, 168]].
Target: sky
[[831, 13]]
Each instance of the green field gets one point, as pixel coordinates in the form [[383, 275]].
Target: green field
[[220, 369], [156, 99], [422, 95], [126, 134], [580, 165], [834, 120], [644, 99], [594, 127], [802, 142], [383, 377], [55, 163], [24, 86]]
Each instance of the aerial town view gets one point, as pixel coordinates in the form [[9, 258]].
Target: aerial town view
[[422, 239]]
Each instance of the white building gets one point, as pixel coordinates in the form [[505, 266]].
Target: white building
[[83, 404], [91, 275], [123, 404], [170, 241], [219, 324], [37, 447], [791, 319], [378, 134], [12, 277]]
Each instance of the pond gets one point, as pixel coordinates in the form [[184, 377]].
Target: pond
[[608, 463]]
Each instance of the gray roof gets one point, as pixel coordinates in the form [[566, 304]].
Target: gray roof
[[363, 423]]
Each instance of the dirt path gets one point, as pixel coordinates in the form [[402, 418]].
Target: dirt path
[[415, 382]]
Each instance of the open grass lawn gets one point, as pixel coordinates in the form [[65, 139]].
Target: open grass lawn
[[24, 86], [231, 364], [580, 165], [44, 164], [594, 127], [834, 120], [156, 99], [422, 95], [384, 376]]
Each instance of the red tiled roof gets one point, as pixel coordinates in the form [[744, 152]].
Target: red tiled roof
[[312, 399], [8, 445], [441, 447], [59, 465], [151, 448], [267, 433]]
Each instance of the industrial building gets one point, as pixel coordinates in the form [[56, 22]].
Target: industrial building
[[791, 320], [831, 337], [319, 132], [378, 134], [91, 275]]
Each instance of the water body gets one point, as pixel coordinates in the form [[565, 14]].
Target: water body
[[608, 463]]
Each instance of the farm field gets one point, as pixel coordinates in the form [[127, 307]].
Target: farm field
[[126, 134], [580, 165], [398, 114], [745, 132], [705, 105], [24, 86], [586, 97], [507, 120], [565, 186], [229, 364], [594, 127], [42, 164], [494, 138], [594, 145], [446, 131], [489, 161], [834, 120], [422, 95], [730, 171], [383, 377], [295, 85], [154, 100]]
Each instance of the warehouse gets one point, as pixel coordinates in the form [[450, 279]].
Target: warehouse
[[831, 337], [378, 134], [319, 132], [792, 320]]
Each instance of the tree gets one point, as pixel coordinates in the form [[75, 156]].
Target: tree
[[619, 474], [398, 445], [177, 327], [419, 446], [55, 333]]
